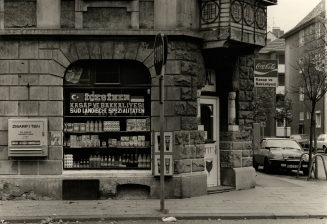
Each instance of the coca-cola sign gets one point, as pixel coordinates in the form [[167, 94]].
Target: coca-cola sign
[[265, 73], [265, 68]]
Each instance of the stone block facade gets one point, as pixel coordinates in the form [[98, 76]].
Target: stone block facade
[[32, 86], [236, 146]]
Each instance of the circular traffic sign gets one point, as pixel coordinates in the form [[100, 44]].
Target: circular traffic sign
[[160, 52]]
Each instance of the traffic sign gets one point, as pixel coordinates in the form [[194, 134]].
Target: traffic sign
[[160, 52]]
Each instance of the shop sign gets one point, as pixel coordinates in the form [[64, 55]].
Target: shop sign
[[160, 52], [27, 137], [210, 82], [265, 73], [91, 103]]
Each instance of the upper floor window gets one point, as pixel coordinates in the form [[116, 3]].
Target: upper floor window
[[301, 94], [318, 119], [281, 59], [301, 38], [301, 116]]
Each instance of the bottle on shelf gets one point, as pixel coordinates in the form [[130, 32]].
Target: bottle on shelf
[[100, 126], [87, 126], [96, 126], [91, 126]]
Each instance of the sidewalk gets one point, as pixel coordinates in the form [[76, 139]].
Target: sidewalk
[[296, 199]]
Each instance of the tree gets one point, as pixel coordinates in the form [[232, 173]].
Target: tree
[[283, 111], [312, 83]]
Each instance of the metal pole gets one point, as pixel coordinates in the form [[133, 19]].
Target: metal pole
[[162, 140]]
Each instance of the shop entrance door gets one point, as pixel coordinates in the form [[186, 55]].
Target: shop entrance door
[[209, 118]]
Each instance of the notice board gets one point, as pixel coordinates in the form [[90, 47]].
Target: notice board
[[28, 137]]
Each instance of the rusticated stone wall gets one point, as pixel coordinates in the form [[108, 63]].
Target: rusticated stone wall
[[236, 147], [184, 76], [31, 79]]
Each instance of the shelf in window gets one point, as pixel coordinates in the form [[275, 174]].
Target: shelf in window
[[109, 148], [103, 116], [103, 132], [107, 168]]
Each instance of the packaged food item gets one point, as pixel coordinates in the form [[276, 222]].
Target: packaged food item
[[91, 126], [87, 126], [82, 127], [76, 127], [69, 127]]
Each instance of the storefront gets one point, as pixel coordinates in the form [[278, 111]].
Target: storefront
[[86, 71]]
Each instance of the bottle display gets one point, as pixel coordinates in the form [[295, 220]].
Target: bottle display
[[106, 130]]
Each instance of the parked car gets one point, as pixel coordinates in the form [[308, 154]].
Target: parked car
[[280, 153], [302, 139], [322, 143]]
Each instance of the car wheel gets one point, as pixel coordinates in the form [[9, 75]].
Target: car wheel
[[324, 149], [305, 172], [266, 166], [255, 165]]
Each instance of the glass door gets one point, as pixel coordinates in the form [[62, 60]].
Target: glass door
[[208, 111]]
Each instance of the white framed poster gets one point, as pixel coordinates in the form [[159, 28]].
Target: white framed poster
[[168, 168], [28, 137], [168, 144]]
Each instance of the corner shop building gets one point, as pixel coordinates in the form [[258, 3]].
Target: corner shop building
[[48, 62]]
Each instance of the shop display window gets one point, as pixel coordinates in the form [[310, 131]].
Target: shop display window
[[107, 116]]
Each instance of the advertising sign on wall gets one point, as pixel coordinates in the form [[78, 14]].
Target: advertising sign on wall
[[265, 73], [91, 103], [28, 137]]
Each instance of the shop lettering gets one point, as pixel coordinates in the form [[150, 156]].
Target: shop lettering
[[106, 108], [26, 126], [92, 97]]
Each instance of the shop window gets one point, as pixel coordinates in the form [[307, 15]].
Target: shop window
[[301, 38], [107, 109]]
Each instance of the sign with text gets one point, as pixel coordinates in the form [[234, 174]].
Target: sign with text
[[27, 137], [265, 73], [91, 103]]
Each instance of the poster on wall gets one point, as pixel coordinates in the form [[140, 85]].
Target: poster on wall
[[265, 73], [168, 143], [28, 137], [168, 166]]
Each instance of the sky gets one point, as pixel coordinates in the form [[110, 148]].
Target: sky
[[288, 13]]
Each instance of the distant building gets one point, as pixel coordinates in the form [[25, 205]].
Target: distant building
[[297, 39], [274, 50]]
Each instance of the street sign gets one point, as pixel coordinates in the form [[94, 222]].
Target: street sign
[[160, 52], [265, 73]]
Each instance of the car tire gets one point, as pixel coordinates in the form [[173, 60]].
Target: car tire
[[324, 149], [305, 172], [266, 166], [255, 165]]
